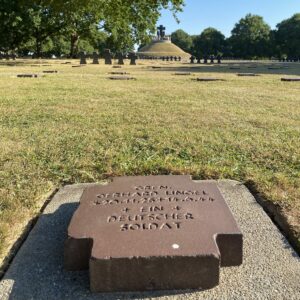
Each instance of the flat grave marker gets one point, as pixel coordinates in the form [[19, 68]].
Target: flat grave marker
[[50, 71], [247, 74], [119, 73], [290, 79], [121, 78], [208, 79], [28, 75], [183, 73], [152, 233]]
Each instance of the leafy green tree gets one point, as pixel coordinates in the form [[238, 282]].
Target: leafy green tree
[[127, 22], [182, 40], [251, 37], [210, 42], [14, 25], [287, 36]]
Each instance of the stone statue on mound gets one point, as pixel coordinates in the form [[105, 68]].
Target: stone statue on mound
[[161, 32]]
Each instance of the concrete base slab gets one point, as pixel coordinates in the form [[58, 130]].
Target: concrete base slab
[[270, 270]]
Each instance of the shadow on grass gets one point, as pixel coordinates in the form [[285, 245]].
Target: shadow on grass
[[292, 69]]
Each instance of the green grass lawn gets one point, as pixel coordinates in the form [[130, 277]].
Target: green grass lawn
[[78, 126]]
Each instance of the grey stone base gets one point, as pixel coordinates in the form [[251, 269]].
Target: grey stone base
[[270, 270]]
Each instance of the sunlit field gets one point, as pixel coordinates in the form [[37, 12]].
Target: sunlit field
[[79, 126]]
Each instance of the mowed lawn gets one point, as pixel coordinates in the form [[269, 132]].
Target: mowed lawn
[[78, 126]]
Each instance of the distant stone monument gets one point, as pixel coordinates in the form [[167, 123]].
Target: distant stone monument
[[132, 56], [152, 233], [120, 59], [161, 32], [107, 57], [95, 58], [82, 57], [161, 45]]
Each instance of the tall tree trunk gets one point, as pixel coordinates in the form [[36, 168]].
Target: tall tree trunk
[[74, 45]]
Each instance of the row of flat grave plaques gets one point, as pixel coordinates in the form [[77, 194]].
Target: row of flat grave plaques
[[152, 233]]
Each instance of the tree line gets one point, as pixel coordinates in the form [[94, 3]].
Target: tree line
[[63, 28], [251, 38], [47, 27]]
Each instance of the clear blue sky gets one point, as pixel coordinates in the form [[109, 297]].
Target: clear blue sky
[[223, 14]]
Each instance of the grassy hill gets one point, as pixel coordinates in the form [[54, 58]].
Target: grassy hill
[[162, 48]]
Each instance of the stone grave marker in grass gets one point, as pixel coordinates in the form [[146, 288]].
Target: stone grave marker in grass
[[247, 74], [119, 73], [295, 79], [133, 57], [28, 75], [208, 79], [192, 59], [95, 58], [183, 73], [155, 233], [120, 59], [107, 57], [121, 78], [82, 57]]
